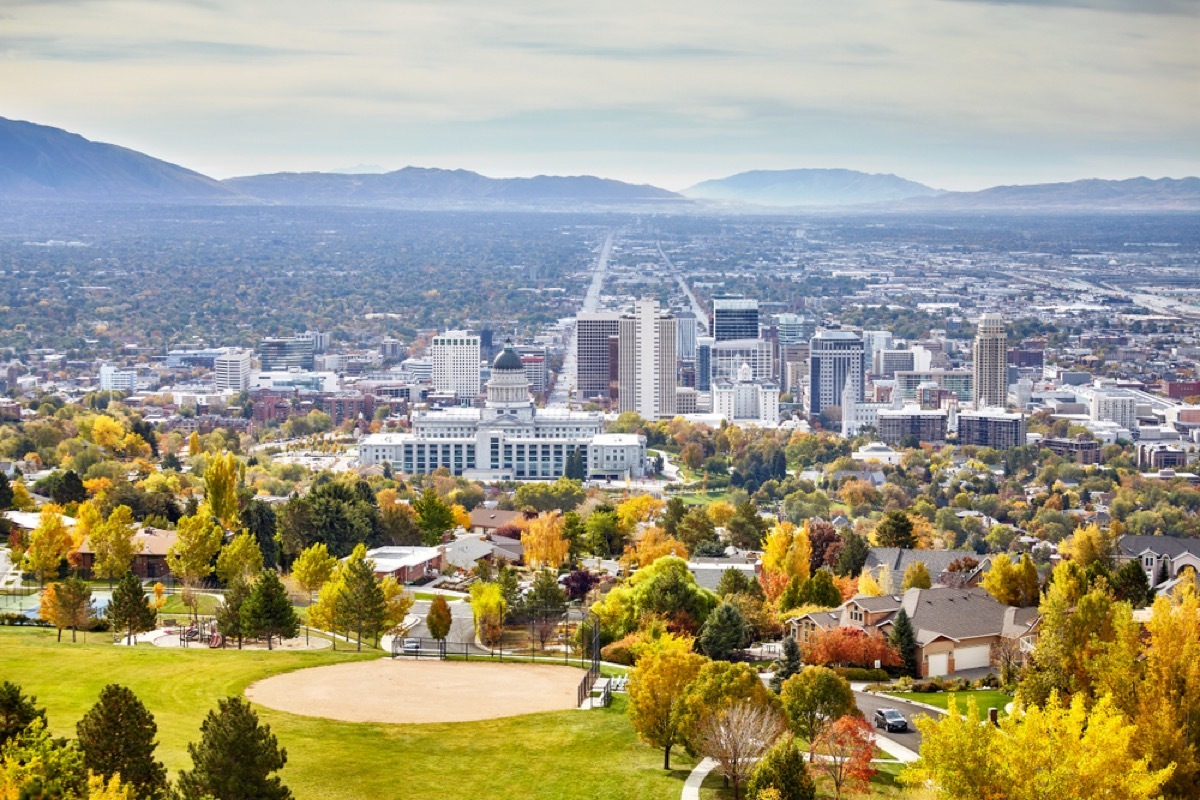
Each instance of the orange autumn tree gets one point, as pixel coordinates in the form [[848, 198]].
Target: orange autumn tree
[[849, 647], [654, 544], [844, 751], [543, 540]]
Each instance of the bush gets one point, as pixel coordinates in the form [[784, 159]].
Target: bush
[[904, 684], [620, 651], [862, 674], [989, 681]]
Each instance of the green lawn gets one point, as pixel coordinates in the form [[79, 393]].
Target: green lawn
[[575, 754], [173, 605], [984, 699]]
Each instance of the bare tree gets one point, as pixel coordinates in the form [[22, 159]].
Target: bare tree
[[737, 737]]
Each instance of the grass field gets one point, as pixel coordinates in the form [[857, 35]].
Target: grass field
[[569, 754], [984, 699], [173, 605]]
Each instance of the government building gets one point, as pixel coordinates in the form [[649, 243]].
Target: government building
[[507, 439]]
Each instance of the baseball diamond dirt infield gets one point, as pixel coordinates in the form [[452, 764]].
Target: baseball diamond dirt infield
[[419, 691]]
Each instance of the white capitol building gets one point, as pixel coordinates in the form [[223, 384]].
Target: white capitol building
[[508, 439]]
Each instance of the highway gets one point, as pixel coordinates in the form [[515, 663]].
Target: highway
[[560, 395]]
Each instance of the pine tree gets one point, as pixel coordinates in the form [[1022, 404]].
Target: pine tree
[[267, 610], [117, 737], [724, 631], [129, 609], [783, 770], [6, 493], [853, 556], [234, 758], [822, 591], [17, 712], [895, 530], [788, 665], [360, 607], [904, 639], [229, 613]]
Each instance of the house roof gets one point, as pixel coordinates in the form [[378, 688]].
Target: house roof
[[466, 550], [390, 559], [899, 559], [494, 518], [29, 519], [961, 614], [708, 574], [154, 541], [1159, 545]]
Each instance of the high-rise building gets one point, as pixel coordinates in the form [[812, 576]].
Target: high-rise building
[[281, 355], [746, 399], [1115, 406], [592, 362], [113, 379], [991, 428], [685, 347], [536, 369], [704, 363], [455, 356], [991, 363], [647, 361], [729, 356], [887, 362], [835, 359], [319, 339], [231, 370], [874, 341], [734, 318], [926, 425], [793, 328]]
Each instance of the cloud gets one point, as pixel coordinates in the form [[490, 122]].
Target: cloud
[[1188, 8]]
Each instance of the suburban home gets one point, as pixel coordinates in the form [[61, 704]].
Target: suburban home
[[956, 629], [406, 564], [28, 520], [709, 571], [466, 550], [898, 559], [150, 564], [1159, 555], [488, 520]]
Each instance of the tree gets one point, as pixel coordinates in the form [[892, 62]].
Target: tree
[[736, 581], [198, 538], [260, 520], [813, 699], [545, 605], [895, 530], [107, 433], [720, 512], [267, 611], [845, 749], [1130, 584], [240, 560], [746, 527], [114, 543], [49, 542], [654, 544], [397, 602], [666, 589], [788, 664], [37, 766], [639, 508], [1055, 751], [129, 609], [821, 590], [234, 758], [314, 568], [1090, 545], [439, 618], [724, 632], [229, 613], [17, 712], [675, 511], [194, 446], [67, 604], [736, 737], [116, 737], [434, 517], [578, 583], [604, 533], [783, 771], [788, 550], [657, 691], [718, 686], [903, 640], [361, 605], [853, 556], [849, 647], [68, 489], [543, 541], [6, 493], [695, 528], [916, 576], [1012, 584], [489, 607], [221, 479]]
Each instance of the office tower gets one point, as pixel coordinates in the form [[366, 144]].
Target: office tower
[[1115, 406], [686, 345], [592, 363], [647, 361], [729, 356], [536, 370], [704, 363], [991, 363], [991, 428], [320, 340], [925, 425], [874, 341], [734, 318], [886, 363], [113, 379], [455, 356], [793, 329], [280, 355], [835, 359], [231, 370]]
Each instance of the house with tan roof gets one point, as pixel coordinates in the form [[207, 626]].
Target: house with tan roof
[[150, 564]]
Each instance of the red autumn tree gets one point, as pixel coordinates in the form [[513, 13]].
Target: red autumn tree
[[844, 751], [850, 647]]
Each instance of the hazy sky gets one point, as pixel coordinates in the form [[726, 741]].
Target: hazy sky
[[958, 94]]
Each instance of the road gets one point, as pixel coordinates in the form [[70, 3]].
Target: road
[[560, 395], [462, 623], [701, 316], [870, 703]]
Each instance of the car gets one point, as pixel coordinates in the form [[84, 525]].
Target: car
[[890, 720], [412, 646]]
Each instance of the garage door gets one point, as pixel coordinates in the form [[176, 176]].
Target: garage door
[[978, 657], [939, 664]]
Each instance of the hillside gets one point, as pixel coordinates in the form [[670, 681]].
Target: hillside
[[1134, 194], [808, 187]]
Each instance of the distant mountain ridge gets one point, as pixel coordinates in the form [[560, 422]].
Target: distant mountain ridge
[[809, 187], [1092, 194], [40, 162], [442, 186]]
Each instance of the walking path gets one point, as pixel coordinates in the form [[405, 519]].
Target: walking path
[[691, 787]]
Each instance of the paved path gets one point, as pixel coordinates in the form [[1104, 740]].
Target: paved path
[[691, 787]]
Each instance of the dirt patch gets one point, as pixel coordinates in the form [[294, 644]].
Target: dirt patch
[[419, 691]]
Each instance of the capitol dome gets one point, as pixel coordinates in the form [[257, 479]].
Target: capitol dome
[[508, 358]]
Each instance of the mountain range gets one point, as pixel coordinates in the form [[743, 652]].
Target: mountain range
[[41, 163]]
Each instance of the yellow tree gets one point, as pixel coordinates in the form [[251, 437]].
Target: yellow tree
[[314, 568], [397, 604], [639, 508], [658, 698], [543, 540], [654, 544], [190, 558], [194, 446], [221, 476], [489, 607], [1089, 545], [462, 518], [240, 560], [720, 512], [916, 576], [107, 433], [788, 551], [114, 543], [869, 586], [49, 542]]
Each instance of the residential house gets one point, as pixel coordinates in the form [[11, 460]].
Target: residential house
[[1161, 555], [898, 560], [150, 564], [406, 564]]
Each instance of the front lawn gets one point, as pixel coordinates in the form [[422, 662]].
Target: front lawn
[[566, 754], [984, 699]]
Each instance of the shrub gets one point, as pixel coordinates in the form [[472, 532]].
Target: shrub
[[861, 674], [620, 651]]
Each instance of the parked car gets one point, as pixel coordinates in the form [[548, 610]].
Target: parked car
[[412, 647], [890, 720]]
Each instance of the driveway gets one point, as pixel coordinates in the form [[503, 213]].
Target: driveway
[[462, 622], [869, 703]]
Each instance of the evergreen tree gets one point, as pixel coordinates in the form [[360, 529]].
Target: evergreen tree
[[361, 604], [17, 712], [724, 631], [267, 610], [129, 609], [788, 665], [674, 513], [1130, 584], [795, 595], [853, 556], [895, 530], [259, 518], [746, 527], [546, 599], [6, 493], [736, 581], [117, 737], [229, 613], [234, 758], [904, 639], [822, 591], [68, 489]]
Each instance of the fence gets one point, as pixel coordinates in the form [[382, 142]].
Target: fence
[[418, 647]]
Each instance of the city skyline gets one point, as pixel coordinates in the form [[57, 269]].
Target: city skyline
[[957, 94]]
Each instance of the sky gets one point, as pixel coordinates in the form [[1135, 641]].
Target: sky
[[957, 94]]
